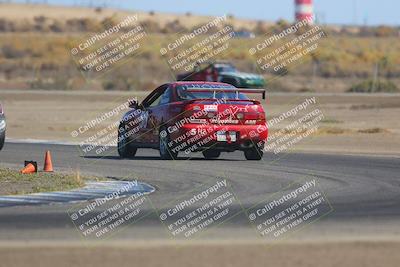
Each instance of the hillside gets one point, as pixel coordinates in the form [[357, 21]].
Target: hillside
[[28, 13], [36, 43]]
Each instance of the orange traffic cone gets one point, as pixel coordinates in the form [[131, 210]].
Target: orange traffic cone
[[48, 165], [29, 168]]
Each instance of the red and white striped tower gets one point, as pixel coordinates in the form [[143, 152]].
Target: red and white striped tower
[[304, 10]]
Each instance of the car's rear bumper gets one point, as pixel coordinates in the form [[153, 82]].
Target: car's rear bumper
[[198, 137]]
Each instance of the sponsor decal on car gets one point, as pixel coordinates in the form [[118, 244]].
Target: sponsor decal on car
[[211, 107]]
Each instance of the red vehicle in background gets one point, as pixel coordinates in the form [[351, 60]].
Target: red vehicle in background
[[189, 117]]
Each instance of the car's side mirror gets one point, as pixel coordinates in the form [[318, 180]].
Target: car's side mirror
[[133, 104]]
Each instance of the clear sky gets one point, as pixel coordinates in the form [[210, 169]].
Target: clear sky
[[371, 12]]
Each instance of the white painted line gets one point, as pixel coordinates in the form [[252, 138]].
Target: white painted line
[[47, 142], [93, 190]]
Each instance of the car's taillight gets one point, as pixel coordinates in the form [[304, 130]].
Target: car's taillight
[[261, 116], [250, 116], [254, 118]]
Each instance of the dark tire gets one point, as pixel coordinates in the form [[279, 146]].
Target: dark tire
[[165, 151], [125, 150], [2, 139], [211, 154], [254, 153]]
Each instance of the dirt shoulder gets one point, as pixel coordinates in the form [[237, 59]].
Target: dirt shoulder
[[200, 253], [352, 123], [12, 182]]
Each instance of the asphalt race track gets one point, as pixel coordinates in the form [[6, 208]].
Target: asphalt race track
[[364, 191]]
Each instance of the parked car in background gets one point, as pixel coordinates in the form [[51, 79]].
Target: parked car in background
[[2, 127], [224, 72]]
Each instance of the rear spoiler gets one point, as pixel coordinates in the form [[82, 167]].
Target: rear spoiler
[[237, 90], [253, 91], [213, 99]]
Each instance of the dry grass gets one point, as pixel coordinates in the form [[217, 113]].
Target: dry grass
[[13, 182], [21, 12], [42, 60]]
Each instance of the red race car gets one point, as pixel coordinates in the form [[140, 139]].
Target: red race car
[[189, 117]]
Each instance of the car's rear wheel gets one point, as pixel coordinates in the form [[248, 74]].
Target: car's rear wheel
[[254, 153], [165, 151], [125, 150], [211, 154], [2, 139]]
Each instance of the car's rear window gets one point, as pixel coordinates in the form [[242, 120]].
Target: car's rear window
[[197, 91]]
